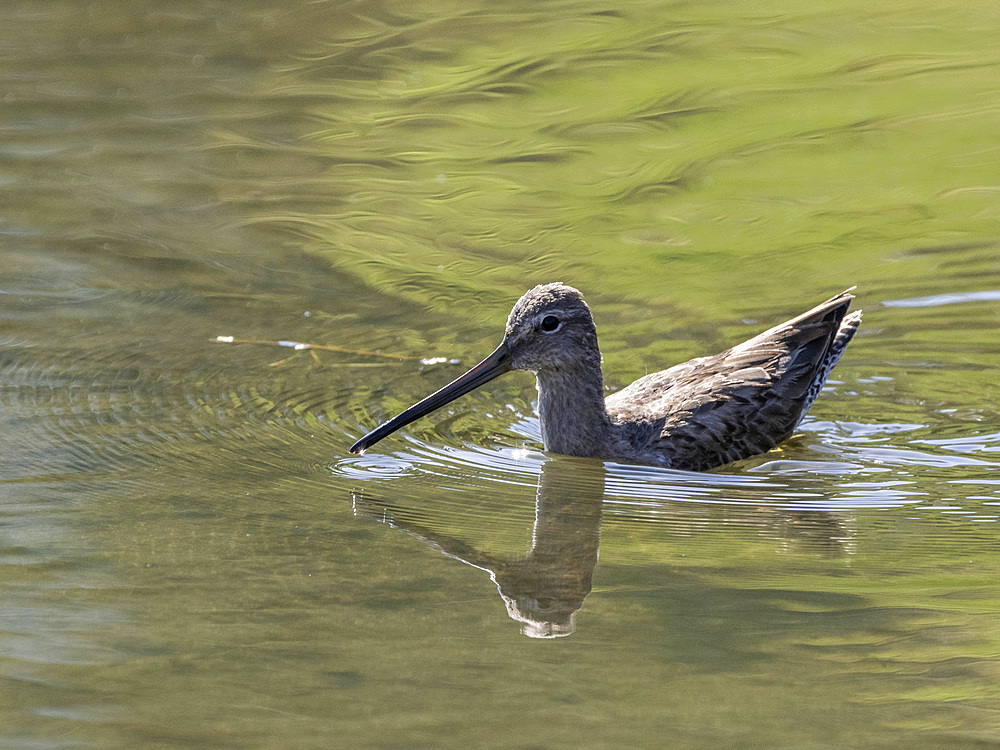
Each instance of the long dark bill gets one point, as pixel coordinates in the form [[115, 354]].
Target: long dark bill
[[494, 365]]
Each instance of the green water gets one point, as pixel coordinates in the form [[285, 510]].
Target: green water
[[191, 558]]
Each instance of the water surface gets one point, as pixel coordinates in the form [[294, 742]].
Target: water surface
[[190, 555]]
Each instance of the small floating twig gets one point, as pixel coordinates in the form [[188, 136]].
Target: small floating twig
[[300, 346]]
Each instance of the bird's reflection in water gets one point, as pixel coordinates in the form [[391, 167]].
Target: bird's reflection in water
[[544, 588], [818, 532]]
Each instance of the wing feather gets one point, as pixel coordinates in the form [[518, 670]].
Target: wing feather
[[713, 410]]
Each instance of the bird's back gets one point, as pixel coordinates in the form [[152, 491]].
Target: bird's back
[[713, 410]]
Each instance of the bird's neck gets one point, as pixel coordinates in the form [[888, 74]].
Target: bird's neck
[[571, 410]]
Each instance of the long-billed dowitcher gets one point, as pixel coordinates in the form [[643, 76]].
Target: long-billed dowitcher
[[697, 415]]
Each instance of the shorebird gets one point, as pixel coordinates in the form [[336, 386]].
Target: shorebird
[[695, 416]]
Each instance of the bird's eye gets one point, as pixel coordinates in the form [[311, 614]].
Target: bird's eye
[[550, 323]]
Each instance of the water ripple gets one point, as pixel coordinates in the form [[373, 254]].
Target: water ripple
[[950, 298], [877, 476]]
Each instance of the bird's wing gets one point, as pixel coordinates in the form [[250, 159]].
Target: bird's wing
[[713, 410]]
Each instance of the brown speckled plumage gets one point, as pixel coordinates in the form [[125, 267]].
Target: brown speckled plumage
[[696, 415]]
